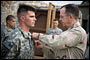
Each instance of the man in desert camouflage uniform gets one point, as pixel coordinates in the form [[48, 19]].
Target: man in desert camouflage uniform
[[19, 44], [70, 44]]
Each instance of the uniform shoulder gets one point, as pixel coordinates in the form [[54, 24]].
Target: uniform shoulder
[[15, 33], [59, 29]]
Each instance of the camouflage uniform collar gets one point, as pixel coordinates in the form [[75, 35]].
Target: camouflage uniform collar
[[9, 30], [75, 25], [25, 34]]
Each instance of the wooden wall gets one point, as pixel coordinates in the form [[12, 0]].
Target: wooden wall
[[40, 25]]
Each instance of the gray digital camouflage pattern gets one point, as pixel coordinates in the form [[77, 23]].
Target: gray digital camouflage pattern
[[18, 45], [54, 31], [5, 32]]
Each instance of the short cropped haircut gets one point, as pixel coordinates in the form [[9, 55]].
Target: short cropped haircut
[[24, 8], [55, 20], [73, 9], [9, 18]]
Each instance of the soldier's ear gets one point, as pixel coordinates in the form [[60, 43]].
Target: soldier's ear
[[22, 18], [8, 22], [71, 16]]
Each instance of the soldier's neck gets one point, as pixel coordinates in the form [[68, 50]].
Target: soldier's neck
[[26, 29], [8, 26], [55, 27]]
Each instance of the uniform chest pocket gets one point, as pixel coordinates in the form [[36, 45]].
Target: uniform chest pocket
[[25, 44]]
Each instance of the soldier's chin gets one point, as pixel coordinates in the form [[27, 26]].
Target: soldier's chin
[[33, 25], [13, 27]]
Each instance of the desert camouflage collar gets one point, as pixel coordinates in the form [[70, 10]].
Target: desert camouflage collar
[[75, 25]]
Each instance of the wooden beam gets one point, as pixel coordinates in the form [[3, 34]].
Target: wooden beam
[[49, 21], [53, 15], [38, 57], [48, 17]]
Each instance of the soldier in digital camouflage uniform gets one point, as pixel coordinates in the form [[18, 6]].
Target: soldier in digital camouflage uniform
[[10, 26], [70, 44], [19, 44], [54, 30]]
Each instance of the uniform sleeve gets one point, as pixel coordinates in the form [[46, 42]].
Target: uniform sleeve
[[60, 30], [2, 35], [62, 41], [10, 48], [48, 52]]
